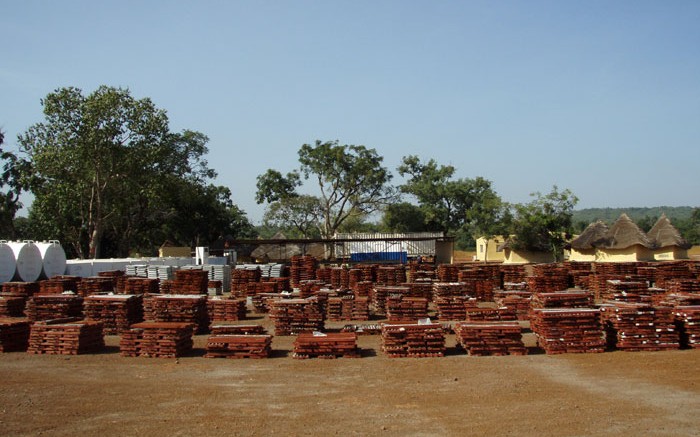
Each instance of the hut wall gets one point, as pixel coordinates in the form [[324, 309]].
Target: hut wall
[[633, 253], [670, 253], [525, 257], [584, 255], [487, 249]]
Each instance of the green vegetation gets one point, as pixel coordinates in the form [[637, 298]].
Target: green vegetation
[[110, 178], [544, 224], [350, 179], [609, 215], [684, 218]]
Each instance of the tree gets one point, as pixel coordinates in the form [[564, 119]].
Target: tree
[[11, 186], [403, 217], [690, 228], [350, 180], [104, 168], [464, 207], [646, 222], [545, 223], [296, 215]]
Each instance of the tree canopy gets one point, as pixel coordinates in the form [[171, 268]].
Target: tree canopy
[[463, 207], [544, 224], [105, 169], [11, 187], [350, 180]]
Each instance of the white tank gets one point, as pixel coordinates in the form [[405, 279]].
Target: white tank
[[53, 258], [28, 257], [8, 264]]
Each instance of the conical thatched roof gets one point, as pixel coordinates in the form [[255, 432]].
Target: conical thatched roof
[[622, 234], [594, 232], [664, 234]]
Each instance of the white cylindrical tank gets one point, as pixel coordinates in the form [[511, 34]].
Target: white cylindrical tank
[[28, 257], [8, 264], [53, 258]]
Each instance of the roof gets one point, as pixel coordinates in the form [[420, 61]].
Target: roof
[[594, 232], [664, 234], [624, 233]]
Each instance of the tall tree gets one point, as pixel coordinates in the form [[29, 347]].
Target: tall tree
[[466, 207], [296, 215], [403, 217], [104, 164], [545, 223], [350, 179], [11, 186]]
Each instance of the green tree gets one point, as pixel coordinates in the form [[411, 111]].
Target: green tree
[[463, 207], [104, 167], [350, 179], [295, 215], [647, 222], [11, 186], [545, 223], [690, 228], [403, 217]]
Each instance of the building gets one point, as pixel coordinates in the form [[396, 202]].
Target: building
[[668, 242], [488, 249], [583, 247], [511, 255], [624, 242]]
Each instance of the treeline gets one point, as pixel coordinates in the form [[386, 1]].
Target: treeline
[[609, 215], [109, 179], [684, 218]]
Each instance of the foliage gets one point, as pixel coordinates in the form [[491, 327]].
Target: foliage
[[11, 186], [690, 227], [107, 172], [609, 215], [273, 187], [296, 216], [403, 217], [682, 217], [467, 208], [350, 179], [358, 223], [545, 223]]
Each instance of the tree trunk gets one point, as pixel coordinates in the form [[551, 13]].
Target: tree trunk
[[95, 242]]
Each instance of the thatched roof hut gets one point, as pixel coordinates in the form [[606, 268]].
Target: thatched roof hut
[[669, 244], [594, 232], [582, 248], [624, 241], [664, 234], [623, 234]]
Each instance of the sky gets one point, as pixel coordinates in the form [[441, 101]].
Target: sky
[[599, 97]]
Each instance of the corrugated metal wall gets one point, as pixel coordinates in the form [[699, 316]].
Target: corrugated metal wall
[[389, 243]]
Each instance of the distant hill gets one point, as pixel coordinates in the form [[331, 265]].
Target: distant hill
[[609, 215]]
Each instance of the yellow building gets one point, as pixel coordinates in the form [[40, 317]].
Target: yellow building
[[668, 242], [582, 247], [167, 249], [624, 242], [520, 256], [488, 249]]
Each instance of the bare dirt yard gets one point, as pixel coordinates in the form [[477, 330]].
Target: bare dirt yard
[[609, 394]]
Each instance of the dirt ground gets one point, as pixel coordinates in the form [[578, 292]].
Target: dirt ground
[[609, 394]]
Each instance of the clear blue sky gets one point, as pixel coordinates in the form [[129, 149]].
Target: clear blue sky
[[601, 97]]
